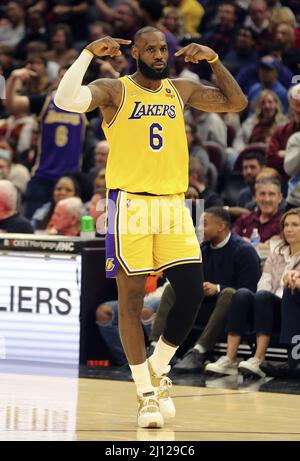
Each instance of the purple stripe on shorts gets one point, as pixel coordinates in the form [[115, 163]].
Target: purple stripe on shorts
[[112, 263]]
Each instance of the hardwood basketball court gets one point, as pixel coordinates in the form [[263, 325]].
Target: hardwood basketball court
[[37, 407]]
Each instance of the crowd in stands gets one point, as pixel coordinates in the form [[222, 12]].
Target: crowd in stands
[[245, 167]]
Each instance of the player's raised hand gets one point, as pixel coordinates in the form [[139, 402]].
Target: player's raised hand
[[107, 46], [195, 53]]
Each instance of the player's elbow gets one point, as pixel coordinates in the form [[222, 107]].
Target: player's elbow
[[240, 104]]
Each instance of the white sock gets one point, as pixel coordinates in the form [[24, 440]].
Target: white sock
[[161, 356], [199, 348], [141, 377]]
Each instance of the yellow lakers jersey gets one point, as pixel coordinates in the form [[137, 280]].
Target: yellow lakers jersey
[[148, 146]]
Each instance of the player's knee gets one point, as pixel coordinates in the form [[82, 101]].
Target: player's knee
[[104, 313], [146, 314]]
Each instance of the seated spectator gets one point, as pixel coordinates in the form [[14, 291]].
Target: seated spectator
[[66, 217], [263, 308], [64, 187], [290, 311], [173, 21], [267, 216], [108, 323], [37, 63], [260, 126], [292, 168], [10, 220], [18, 174], [268, 80], [221, 37], [97, 209], [192, 13], [195, 145], [253, 163], [242, 53], [61, 50], [276, 149], [285, 36], [197, 180], [99, 181], [100, 158], [249, 75], [12, 29], [18, 128], [258, 22], [221, 249], [210, 126]]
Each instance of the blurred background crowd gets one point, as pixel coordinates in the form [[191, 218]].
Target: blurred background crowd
[[50, 155]]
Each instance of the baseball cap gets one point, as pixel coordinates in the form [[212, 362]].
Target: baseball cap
[[294, 92], [269, 62], [5, 154]]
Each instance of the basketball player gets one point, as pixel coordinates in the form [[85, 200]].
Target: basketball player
[[147, 170]]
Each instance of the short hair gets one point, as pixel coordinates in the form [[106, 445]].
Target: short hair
[[267, 181], [74, 206], [146, 30], [220, 213], [254, 155], [8, 194]]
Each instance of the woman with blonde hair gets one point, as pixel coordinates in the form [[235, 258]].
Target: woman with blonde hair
[[262, 310], [260, 126]]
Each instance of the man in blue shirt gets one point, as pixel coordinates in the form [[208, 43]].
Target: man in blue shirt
[[268, 76]]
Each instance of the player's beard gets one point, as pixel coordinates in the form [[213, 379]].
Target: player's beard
[[151, 73]]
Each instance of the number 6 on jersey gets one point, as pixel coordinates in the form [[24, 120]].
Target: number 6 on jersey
[[156, 140]]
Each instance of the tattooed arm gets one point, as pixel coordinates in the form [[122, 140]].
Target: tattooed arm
[[227, 97]]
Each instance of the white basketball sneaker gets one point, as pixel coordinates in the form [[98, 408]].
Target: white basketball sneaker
[[149, 414], [162, 385]]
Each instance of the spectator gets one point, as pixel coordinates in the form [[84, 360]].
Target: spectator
[[260, 126], [5, 163], [192, 13], [290, 312], [173, 21], [292, 168], [7, 62], [39, 83], [221, 37], [18, 174], [285, 36], [253, 163], [210, 127], [12, 29], [61, 46], [267, 216], [221, 249], [99, 181], [197, 180], [73, 13], [10, 220], [268, 76], [66, 217], [35, 32], [277, 145], [61, 140], [258, 22], [242, 53], [249, 75], [97, 209], [262, 308], [65, 187], [195, 145], [100, 158]]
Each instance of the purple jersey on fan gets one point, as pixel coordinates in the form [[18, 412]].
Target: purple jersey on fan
[[62, 135]]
